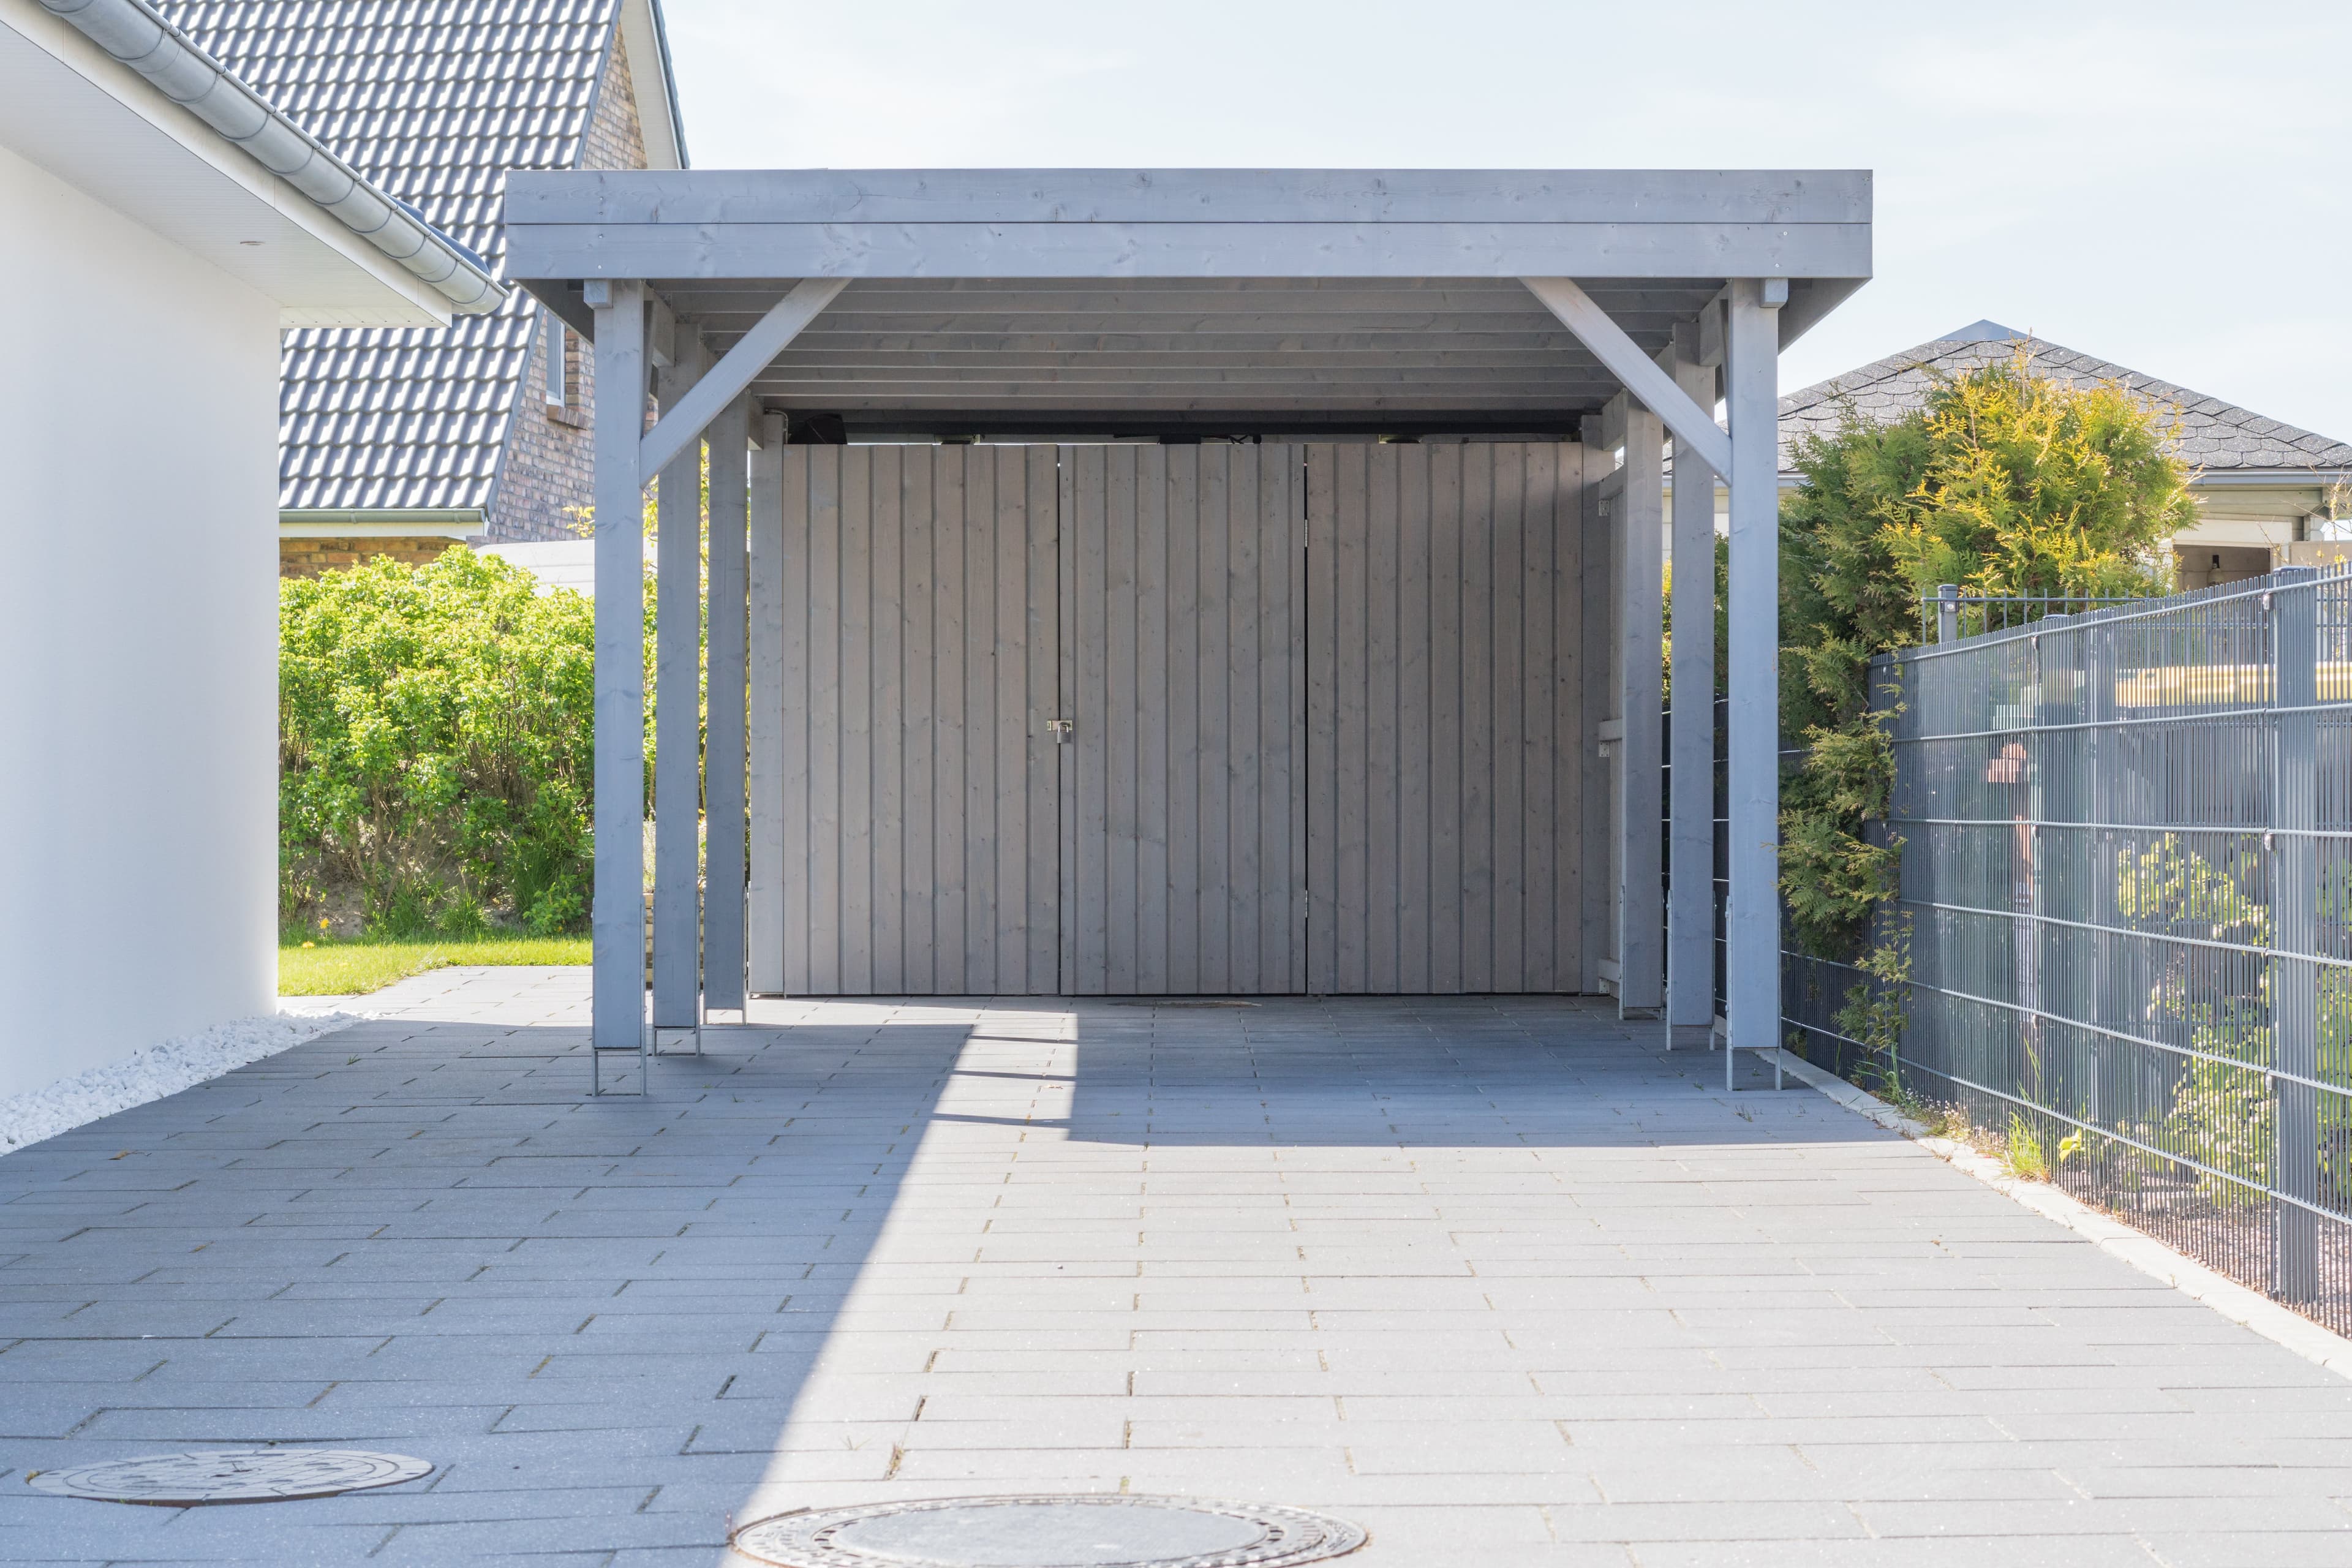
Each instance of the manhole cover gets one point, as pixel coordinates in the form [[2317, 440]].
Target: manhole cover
[[233, 1475], [1048, 1532]]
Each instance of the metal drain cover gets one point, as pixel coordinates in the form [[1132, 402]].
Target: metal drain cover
[[233, 1475], [1085, 1531]]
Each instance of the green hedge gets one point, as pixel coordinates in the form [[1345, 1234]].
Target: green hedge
[[436, 733]]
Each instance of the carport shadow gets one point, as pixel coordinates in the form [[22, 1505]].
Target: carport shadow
[[420, 1237], [1453, 1071]]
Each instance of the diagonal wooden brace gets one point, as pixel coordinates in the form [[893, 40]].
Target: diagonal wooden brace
[[723, 382], [1693, 426]]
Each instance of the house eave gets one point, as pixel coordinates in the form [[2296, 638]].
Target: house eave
[[379, 523]]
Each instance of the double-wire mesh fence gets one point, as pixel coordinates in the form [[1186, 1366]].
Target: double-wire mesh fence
[[1951, 614], [2127, 886]]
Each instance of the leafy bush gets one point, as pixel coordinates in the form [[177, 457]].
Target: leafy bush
[[436, 733], [2005, 482]]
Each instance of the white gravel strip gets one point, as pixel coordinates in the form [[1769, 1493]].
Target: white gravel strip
[[154, 1072]]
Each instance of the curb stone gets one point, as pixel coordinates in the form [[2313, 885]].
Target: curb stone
[[2248, 1308]]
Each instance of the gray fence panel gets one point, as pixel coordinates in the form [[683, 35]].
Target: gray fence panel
[[2127, 870]]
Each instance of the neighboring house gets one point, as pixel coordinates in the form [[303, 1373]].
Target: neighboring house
[[160, 226], [2266, 490], [404, 443]]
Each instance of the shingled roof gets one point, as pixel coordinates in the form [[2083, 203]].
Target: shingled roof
[[2215, 437], [435, 101]]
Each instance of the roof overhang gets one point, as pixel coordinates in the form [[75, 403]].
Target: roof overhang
[[644, 39], [97, 125], [1210, 301]]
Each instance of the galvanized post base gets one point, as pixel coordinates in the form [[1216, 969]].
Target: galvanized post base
[[672, 1031], [597, 1054]]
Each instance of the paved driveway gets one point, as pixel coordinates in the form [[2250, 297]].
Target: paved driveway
[[1498, 1279]]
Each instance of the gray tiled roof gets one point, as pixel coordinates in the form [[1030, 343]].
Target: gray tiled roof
[[433, 100], [2215, 437]]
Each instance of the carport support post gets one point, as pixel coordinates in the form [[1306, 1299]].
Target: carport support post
[[617, 924], [1640, 917], [678, 716], [723, 749], [764, 961], [1690, 897], [1752, 350]]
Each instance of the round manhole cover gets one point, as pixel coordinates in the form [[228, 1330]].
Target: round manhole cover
[[1048, 1532], [233, 1475]]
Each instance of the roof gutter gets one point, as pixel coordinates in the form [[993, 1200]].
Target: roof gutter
[[131, 32]]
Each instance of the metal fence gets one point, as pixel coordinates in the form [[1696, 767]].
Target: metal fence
[[1947, 615], [2127, 887]]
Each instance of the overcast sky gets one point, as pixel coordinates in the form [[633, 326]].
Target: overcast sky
[[2165, 187]]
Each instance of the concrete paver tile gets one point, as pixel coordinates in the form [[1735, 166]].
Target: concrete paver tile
[[1495, 1277]]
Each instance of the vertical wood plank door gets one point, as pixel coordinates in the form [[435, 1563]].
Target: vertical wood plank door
[[1184, 586], [1445, 715], [919, 799]]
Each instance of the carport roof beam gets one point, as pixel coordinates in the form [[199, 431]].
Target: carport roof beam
[[1213, 301]]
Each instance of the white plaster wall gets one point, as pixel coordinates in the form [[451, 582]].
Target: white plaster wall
[[137, 636]]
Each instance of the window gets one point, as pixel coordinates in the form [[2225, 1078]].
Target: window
[[559, 369]]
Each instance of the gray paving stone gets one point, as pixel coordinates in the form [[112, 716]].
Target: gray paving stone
[[1499, 1278]]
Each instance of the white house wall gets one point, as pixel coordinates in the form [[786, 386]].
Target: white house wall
[[138, 801]]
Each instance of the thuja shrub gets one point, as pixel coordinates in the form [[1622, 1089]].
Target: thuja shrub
[[436, 733], [2006, 482]]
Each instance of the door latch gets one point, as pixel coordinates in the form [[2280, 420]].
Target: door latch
[[1063, 729]]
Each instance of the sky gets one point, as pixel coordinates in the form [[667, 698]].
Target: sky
[[2168, 187]]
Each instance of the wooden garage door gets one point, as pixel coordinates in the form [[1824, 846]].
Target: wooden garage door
[[919, 791], [1443, 586], [1325, 716], [1185, 846]]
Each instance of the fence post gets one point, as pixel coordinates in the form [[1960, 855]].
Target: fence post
[[2104, 803], [2294, 605], [2058, 854], [1947, 613]]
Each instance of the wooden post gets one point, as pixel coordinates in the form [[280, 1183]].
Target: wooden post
[[1690, 898], [618, 1013], [1595, 613], [723, 746], [1752, 355], [764, 918], [1641, 821], [677, 718]]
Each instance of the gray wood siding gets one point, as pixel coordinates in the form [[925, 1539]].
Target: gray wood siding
[[1445, 594], [919, 799], [1183, 576]]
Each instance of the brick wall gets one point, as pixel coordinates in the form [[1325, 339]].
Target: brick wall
[[309, 557], [550, 473]]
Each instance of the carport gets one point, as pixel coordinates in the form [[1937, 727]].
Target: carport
[[1185, 582]]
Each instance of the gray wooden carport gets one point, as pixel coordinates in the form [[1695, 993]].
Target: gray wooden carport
[[1613, 307]]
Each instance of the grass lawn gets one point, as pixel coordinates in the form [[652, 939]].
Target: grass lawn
[[348, 968]]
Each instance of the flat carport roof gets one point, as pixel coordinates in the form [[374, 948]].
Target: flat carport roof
[[1182, 304], [1192, 302]]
